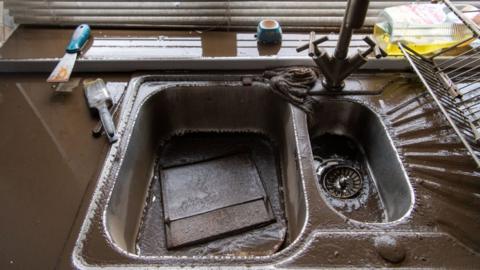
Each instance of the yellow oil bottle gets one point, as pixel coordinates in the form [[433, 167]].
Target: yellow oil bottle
[[425, 28]]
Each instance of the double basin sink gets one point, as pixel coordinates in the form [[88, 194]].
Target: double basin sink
[[340, 193]]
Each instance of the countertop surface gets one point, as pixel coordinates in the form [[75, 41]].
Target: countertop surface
[[41, 43], [48, 158]]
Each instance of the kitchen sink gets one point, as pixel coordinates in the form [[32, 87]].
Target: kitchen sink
[[197, 119], [212, 131], [216, 170]]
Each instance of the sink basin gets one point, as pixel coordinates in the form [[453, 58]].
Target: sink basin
[[177, 125], [350, 137]]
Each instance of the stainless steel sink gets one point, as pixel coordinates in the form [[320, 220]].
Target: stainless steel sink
[[155, 112], [161, 112], [379, 167], [375, 128]]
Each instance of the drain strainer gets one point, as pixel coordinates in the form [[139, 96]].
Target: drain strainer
[[342, 181]]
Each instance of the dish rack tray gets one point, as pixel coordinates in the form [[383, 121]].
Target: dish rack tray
[[454, 84]]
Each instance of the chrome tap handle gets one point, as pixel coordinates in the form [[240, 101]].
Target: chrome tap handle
[[312, 45], [377, 51]]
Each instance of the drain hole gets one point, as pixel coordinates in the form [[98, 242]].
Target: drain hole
[[342, 181]]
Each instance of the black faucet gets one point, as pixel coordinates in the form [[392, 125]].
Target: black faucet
[[338, 67]]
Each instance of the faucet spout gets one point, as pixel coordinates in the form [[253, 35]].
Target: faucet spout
[[338, 67], [354, 18]]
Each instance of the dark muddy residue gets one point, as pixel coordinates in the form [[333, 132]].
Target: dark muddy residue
[[194, 147], [331, 151], [390, 249]]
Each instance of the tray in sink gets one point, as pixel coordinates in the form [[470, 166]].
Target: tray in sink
[[213, 198]]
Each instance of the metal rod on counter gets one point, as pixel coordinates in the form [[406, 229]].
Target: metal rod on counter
[[473, 114], [461, 59], [472, 90], [466, 71], [465, 61], [468, 79], [464, 102], [465, 129], [452, 61], [451, 48]]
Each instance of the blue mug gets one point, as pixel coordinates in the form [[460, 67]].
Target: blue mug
[[269, 32]]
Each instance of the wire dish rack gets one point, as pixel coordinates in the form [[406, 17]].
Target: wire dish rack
[[454, 84]]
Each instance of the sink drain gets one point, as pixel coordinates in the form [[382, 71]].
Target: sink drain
[[342, 181]]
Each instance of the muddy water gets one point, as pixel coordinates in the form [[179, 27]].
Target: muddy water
[[151, 43], [195, 147], [366, 205], [146, 43], [445, 178], [51, 42], [47, 159], [43, 185]]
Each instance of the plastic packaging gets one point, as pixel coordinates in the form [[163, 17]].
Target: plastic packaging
[[425, 28]]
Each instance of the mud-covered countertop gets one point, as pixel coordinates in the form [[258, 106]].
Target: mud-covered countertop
[[43, 43], [33, 49], [49, 161], [48, 158]]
